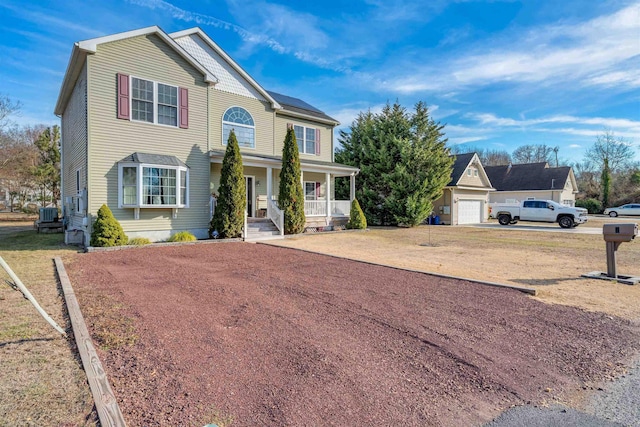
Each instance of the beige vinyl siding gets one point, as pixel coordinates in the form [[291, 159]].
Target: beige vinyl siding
[[112, 139], [260, 174], [260, 111], [473, 181], [326, 143], [74, 142], [555, 195]]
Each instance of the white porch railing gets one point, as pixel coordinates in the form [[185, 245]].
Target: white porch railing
[[315, 208], [340, 207], [275, 215], [319, 207]]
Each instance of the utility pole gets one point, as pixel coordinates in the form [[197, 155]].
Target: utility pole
[[555, 150]]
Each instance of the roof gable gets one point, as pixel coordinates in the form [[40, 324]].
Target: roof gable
[[231, 77], [87, 47], [529, 176], [462, 163]]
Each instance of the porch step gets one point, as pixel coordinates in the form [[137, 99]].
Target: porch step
[[261, 229]]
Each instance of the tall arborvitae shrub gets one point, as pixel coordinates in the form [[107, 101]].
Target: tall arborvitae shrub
[[107, 231], [357, 220], [291, 196], [228, 218]]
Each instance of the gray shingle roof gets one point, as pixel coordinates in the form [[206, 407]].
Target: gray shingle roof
[[154, 159], [296, 105], [459, 166], [528, 176]]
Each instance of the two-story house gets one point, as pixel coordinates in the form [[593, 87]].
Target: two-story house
[[145, 120]]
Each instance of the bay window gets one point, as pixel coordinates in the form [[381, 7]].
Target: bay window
[[152, 186]]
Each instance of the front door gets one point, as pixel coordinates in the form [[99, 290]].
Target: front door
[[251, 191]]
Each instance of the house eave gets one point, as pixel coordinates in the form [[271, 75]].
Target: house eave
[[336, 169], [463, 187], [307, 117]]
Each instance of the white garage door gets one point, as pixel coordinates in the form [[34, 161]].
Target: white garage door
[[469, 212]]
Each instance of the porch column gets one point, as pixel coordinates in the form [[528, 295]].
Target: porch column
[[327, 179], [269, 182], [352, 189]]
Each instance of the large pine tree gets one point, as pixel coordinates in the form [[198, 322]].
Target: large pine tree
[[228, 218], [404, 163], [290, 195]]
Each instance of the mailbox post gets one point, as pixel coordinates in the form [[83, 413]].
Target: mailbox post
[[614, 234]]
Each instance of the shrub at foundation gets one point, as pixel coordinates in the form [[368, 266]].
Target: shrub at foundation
[[182, 236], [107, 231], [228, 218], [139, 241], [357, 220], [290, 196]]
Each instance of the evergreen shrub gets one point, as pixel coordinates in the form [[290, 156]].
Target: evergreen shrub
[[107, 231], [291, 196], [182, 236], [139, 241], [357, 220]]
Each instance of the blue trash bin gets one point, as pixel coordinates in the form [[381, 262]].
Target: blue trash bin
[[436, 220]]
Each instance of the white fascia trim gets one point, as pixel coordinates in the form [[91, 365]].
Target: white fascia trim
[[307, 117], [91, 46], [234, 64]]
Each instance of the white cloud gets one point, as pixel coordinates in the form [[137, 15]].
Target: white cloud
[[595, 52], [575, 146], [602, 122]]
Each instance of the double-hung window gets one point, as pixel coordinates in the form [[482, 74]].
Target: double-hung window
[[308, 139], [148, 101], [154, 102], [313, 190], [153, 186]]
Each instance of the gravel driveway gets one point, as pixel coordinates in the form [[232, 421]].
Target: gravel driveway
[[275, 336]]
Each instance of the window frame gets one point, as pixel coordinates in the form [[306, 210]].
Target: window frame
[[156, 103], [139, 185], [242, 125], [304, 139]]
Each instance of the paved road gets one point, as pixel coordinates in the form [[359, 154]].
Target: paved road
[[547, 228], [617, 404]]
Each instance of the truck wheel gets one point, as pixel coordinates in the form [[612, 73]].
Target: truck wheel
[[504, 219], [613, 214], [566, 222]]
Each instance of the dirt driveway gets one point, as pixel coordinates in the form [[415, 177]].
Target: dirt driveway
[[262, 335], [550, 262]]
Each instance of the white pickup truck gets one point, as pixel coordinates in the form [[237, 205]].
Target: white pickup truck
[[539, 211]]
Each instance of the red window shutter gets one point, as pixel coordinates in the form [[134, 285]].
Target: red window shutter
[[317, 142], [184, 108], [317, 190], [123, 96]]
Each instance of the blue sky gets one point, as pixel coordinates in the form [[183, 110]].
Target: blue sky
[[499, 74]]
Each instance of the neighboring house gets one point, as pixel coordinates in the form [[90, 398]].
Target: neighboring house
[[466, 198], [145, 121], [515, 183]]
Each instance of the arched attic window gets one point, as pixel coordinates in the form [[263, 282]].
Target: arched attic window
[[239, 119]]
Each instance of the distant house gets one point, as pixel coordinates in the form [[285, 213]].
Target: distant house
[[145, 120], [466, 198], [514, 183]]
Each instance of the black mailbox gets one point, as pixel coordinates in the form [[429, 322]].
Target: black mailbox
[[619, 232]]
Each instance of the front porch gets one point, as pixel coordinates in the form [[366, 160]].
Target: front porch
[[262, 174]]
